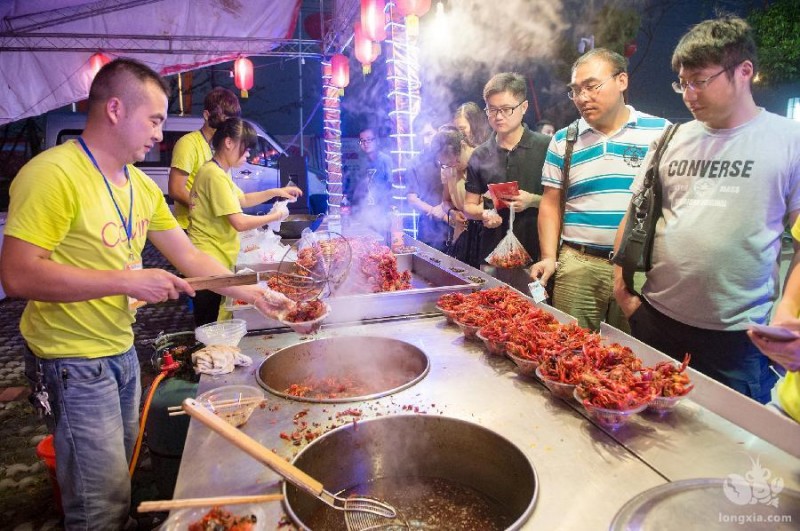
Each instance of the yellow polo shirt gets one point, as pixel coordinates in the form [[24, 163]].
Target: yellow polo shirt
[[191, 151], [59, 202], [214, 196]]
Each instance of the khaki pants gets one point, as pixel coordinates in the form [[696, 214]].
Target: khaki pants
[[584, 288]]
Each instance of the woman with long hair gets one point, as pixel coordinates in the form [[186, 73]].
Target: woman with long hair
[[471, 120], [452, 151], [215, 207]]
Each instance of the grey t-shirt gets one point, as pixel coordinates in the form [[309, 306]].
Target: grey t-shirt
[[727, 195]]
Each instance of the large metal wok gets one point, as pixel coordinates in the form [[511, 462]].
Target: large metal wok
[[419, 448], [364, 368]]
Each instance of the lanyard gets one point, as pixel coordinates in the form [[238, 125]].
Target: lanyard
[[129, 225]]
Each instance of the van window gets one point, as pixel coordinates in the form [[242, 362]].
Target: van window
[[161, 154], [264, 154]]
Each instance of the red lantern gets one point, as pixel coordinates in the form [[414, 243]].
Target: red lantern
[[98, 61], [243, 75], [373, 19], [412, 10], [365, 50], [340, 72]]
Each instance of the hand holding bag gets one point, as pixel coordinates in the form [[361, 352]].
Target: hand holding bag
[[636, 247]]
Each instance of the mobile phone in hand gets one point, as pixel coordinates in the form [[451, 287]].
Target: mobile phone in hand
[[775, 333]]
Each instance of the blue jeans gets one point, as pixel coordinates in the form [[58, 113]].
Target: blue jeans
[[95, 405]]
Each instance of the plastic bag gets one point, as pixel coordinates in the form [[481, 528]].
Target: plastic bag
[[509, 253], [261, 247], [283, 209]]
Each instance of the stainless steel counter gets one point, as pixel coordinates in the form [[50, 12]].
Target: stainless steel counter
[[586, 474]]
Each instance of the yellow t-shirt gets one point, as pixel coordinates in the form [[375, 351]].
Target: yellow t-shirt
[[59, 202], [191, 151], [214, 196], [789, 394]]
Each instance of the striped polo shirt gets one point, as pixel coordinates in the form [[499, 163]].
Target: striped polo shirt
[[603, 168]]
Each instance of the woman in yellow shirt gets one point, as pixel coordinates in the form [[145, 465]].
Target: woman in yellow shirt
[[786, 353], [215, 207]]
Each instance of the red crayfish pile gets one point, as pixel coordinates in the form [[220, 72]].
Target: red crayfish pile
[[606, 376], [306, 311], [378, 265]]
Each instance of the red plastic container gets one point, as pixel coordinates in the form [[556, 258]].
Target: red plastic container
[[47, 453]]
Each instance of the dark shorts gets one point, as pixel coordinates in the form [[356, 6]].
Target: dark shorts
[[728, 357]]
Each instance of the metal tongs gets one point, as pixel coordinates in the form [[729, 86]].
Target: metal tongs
[[360, 513]]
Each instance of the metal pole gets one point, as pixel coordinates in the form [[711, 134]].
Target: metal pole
[[300, 62]]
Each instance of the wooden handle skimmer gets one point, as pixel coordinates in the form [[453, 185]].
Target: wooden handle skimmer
[[252, 447], [223, 281]]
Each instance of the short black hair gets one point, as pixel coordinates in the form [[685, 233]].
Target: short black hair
[[114, 80], [725, 41]]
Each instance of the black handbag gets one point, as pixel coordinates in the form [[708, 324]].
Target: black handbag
[[636, 247]]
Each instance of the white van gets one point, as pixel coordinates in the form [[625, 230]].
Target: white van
[[260, 172]]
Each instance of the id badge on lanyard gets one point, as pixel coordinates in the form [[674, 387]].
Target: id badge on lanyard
[[133, 264]]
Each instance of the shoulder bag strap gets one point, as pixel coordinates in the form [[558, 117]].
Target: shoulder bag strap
[[638, 244], [572, 137]]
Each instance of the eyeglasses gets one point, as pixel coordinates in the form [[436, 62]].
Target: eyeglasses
[[699, 85], [493, 112], [366, 141], [576, 92], [443, 166]]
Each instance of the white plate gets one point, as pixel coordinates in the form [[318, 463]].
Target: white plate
[[180, 520]]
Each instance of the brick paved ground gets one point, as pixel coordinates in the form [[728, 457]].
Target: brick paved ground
[[26, 501]]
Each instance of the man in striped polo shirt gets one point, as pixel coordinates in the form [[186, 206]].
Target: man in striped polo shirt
[[613, 139]]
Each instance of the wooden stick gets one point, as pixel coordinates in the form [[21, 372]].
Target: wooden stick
[[223, 281], [168, 505], [226, 403]]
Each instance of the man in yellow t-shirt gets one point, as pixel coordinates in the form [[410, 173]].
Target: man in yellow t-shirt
[[193, 150], [78, 219]]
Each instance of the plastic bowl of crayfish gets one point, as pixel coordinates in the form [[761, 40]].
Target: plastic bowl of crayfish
[[559, 389], [609, 418], [525, 366], [472, 319], [498, 348], [448, 314], [307, 317], [665, 404]]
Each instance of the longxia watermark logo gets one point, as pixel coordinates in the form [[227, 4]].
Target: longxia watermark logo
[[756, 488]]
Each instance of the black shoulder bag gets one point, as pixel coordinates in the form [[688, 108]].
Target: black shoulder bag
[[636, 247]]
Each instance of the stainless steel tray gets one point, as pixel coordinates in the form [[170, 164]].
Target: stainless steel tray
[[713, 503], [429, 281]]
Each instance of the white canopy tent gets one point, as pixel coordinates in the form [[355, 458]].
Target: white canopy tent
[[45, 45]]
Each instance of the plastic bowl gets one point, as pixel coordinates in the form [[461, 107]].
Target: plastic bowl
[[498, 348], [233, 403], [609, 418], [228, 332], [448, 314], [665, 404], [469, 331], [308, 327], [559, 389], [525, 366]]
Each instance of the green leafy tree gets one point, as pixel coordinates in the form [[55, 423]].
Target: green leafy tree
[[777, 32]]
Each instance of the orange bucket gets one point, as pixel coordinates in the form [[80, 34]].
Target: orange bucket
[[47, 453]]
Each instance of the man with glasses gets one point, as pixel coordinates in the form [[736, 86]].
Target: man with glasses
[[731, 181], [370, 189], [513, 153], [613, 139]]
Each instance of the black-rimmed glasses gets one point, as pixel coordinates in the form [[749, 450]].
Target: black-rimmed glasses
[[505, 112], [576, 92]]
